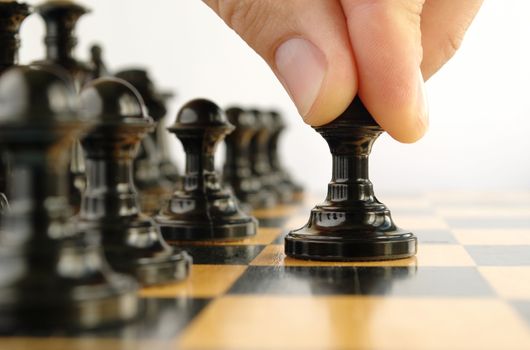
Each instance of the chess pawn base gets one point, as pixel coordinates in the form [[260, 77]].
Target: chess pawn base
[[82, 294], [347, 234], [352, 224], [214, 218], [138, 251]]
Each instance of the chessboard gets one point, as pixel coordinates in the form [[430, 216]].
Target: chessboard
[[468, 287]]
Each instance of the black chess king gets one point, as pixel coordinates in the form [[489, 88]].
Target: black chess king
[[351, 224]]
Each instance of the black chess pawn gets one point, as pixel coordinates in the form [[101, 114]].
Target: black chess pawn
[[60, 19], [155, 101], [51, 276], [154, 173], [98, 66], [131, 240], [237, 170], [12, 14], [203, 209], [290, 190], [259, 158], [351, 224]]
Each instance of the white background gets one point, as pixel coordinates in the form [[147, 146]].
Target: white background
[[480, 105]]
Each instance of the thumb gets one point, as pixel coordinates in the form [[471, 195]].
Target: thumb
[[307, 47]]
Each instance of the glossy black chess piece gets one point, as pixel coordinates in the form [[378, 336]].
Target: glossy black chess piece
[[51, 276], [203, 209], [155, 101], [154, 173], [289, 190], [60, 19], [12, 14], [237, 170], [131, 240], [259, 158], [351, 224]]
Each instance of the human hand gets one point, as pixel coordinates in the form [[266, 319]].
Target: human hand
[[326, 51]]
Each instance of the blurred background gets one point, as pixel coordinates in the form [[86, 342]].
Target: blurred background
[[479, 102]]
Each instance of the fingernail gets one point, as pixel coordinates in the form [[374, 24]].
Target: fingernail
[[423, 104], [301, 67]]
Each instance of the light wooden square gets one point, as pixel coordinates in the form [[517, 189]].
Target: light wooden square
[[493, 236], [510, 282], [341, 322]]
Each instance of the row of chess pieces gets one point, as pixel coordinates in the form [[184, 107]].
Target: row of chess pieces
[[94, 208], [76, 237]]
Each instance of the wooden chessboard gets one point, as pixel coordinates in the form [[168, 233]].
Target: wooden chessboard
[[467, 288]]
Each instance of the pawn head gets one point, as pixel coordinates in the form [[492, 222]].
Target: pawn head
[[36, 96], [113, 101]]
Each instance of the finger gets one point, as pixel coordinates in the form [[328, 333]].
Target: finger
[[386, 40], [307, 47], [443, 25]]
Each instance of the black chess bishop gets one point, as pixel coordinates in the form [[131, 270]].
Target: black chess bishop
[[351, 224], [203, 208], [110, 205]]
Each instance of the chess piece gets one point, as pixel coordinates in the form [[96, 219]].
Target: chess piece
[[51, 276], [12, 14], [60, 18], [154, 173], [131, 240], [237, 171], [259, 159], [99, 68], [351, 224], [203, 209], [290, 191], [155, 101]]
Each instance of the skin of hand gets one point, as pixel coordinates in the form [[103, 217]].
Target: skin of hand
[[325, 52]]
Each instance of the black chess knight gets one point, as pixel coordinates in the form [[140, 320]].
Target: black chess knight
[[351, 224], [203, 209]]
